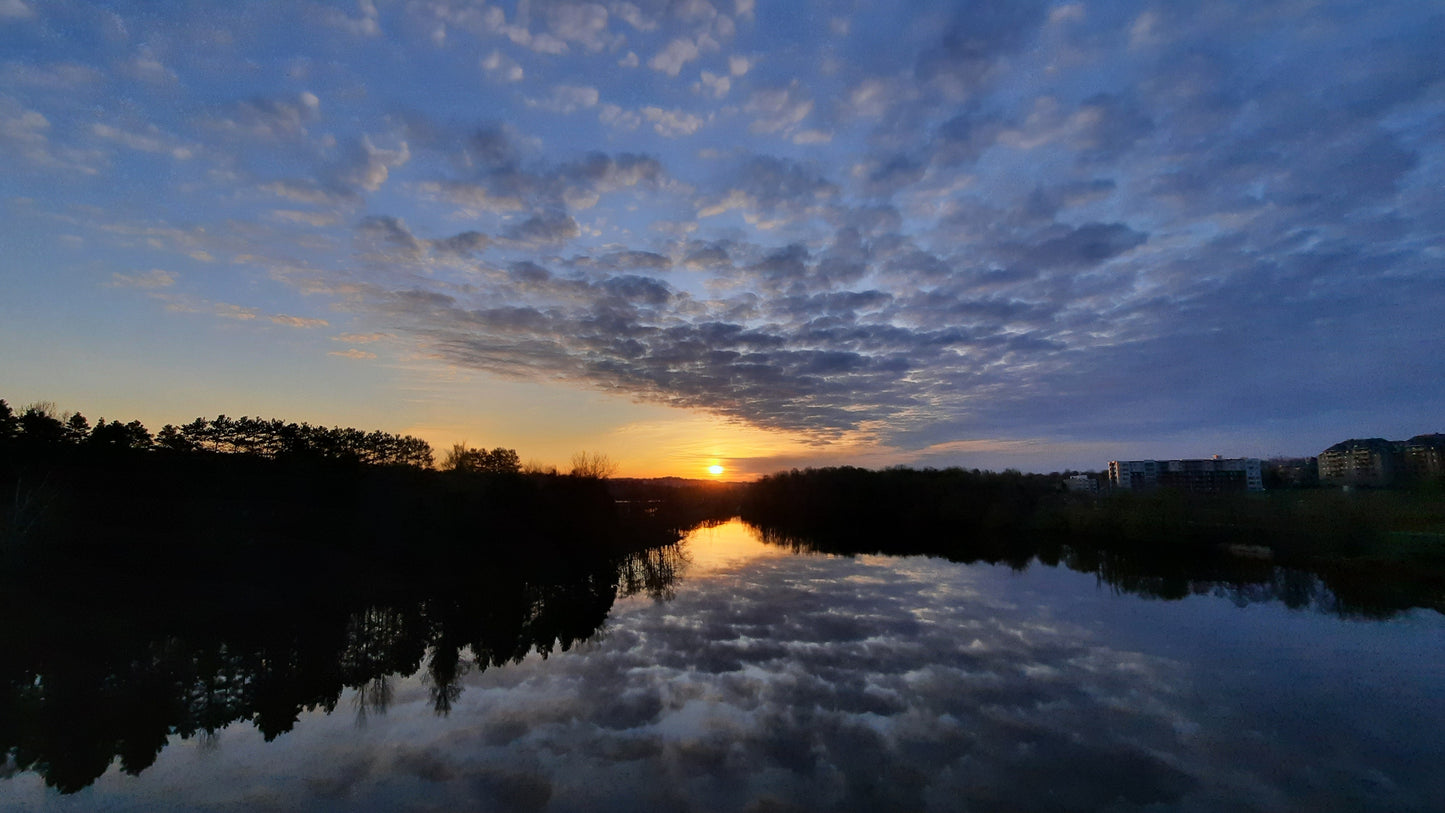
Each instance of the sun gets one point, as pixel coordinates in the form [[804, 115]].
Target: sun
[[715, 470]]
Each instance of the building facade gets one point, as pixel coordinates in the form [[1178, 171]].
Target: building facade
[[1380, 462], [1206, 476]]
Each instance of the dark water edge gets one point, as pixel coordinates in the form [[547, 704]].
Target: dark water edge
[[1379, 552]]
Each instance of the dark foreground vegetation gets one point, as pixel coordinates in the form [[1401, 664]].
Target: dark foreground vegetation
[[1378, 551], [227, 498]]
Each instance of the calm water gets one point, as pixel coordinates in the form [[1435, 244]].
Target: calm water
[[742, 676]]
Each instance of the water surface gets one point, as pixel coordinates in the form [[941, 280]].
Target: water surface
[[742, 676]]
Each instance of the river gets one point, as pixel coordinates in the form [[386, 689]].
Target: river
[[736, 675]]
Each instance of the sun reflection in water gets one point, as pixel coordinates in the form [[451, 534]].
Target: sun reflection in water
[[724, 547]]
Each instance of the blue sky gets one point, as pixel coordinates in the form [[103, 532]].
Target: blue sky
[[988, 234]]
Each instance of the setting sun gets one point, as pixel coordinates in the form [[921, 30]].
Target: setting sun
[[715, 470]]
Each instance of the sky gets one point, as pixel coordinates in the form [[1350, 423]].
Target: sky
[[745, 233]]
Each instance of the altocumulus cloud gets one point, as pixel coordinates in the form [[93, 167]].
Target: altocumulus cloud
[[978, 219]]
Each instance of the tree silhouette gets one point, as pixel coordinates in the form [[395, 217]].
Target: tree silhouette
[[495, 461], [117, 435], [594, 465], [9, 424], [40, 427], [77, 428]]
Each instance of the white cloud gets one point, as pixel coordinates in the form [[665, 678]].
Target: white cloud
[[353, 353], [68, 76], [629, 61], [1145, 30], [363, 26], [15, 10], [1072, 12], [154, 278], [739, 65], [361, 338], [302, 192], [372, 172], [634, 16], [813, 137], [567, 99], [615, 116], [470, 196], [743, 8], [871, 98], [693, 10], [582, 23], [670, 60], [238, 312], [548, 44], [715, 84], [672, 123], [315, 219], [152, 140], [299, 321], [18, 125], [148, 68], [779, 110], [500, 66]]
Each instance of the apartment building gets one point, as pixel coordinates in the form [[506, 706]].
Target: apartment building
[[1204, 476]]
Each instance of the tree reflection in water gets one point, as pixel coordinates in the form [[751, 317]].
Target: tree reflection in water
[[83, 684]]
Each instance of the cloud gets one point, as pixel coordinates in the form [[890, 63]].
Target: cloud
[[974, 42], [672, 123], [151, 139], [635, 16], [365, 24], [671, 59], [15, 10], [154, 278], [368, 166], [779, 110], [391, 233], [717, 86], [317, 220], [361, 338], [303, 191], [569, 98], [545, 227], [502, 67], [270, 118], [582, 23], [353, 353], [984, 217], [299, 321]]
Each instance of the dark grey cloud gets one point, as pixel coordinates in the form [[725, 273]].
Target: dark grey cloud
[[390, 232], [463, 244], [545, 227], [1086, 245], [978, 33]]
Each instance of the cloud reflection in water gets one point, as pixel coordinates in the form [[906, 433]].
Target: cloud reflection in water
[[780, 682]]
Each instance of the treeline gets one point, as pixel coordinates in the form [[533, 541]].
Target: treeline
[[959, 504], [874, 507], [233, 494], [38, 430], [1378, 551]]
